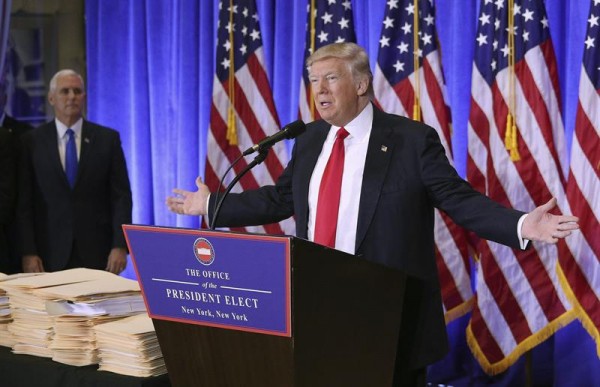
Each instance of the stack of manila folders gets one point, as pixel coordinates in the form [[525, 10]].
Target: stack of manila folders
[[80, 317]]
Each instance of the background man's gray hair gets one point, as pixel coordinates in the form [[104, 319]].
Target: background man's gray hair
[[62, 73]]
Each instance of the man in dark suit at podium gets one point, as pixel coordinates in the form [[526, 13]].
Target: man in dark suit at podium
[[74, 191], [378, 202]]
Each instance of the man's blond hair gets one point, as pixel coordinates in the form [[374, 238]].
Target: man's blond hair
[[353, 54]]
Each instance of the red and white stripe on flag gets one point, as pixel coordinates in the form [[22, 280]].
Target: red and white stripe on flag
[[331, 22], [580, 270], [519, 300], [242, 103], [396, 85]]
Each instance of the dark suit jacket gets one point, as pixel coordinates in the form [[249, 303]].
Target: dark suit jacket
[[7, 195], [406, 175], [12, 130], [15, 127], [52, 216]]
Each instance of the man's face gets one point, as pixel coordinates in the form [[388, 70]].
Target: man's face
[[67, 99], [335, 91]]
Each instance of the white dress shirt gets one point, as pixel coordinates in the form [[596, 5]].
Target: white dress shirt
[[355, 147]]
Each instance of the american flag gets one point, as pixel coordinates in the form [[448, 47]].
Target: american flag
[[581, 270], [242, 111], [520, 301], [421, 95], [332, 22]]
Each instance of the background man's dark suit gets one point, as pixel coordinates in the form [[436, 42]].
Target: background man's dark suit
[[12, 130], [53, 217], [16, 127], [7, 195], [401, 185]]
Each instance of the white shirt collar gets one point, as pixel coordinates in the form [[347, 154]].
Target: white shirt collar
[[359, 127], [62, 128]]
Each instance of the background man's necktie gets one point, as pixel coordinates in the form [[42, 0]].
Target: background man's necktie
[[328, 204], [71, 158]]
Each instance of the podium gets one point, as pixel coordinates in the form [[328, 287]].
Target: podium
[[234, 309]]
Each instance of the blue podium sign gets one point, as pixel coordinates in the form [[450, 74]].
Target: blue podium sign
[[225, 280]]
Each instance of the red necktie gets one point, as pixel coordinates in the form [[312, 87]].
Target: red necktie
[[329, 193]]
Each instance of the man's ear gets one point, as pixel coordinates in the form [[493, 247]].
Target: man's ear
[[361, 87], [51, 99]]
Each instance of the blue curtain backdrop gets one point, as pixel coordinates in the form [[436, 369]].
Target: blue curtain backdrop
[[150, 74]]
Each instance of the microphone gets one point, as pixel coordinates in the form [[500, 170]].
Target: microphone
[[290, 131]]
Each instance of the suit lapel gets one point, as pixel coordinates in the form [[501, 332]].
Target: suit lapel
[[86, 141], [379, 154], [50, 145]]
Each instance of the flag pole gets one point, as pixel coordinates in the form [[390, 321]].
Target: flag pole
[[231, 125], [510, 137], [416, 104], [313, 32]]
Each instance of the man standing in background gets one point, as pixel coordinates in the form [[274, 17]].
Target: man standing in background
[[7, 196], [11, 131], [73, 191]]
